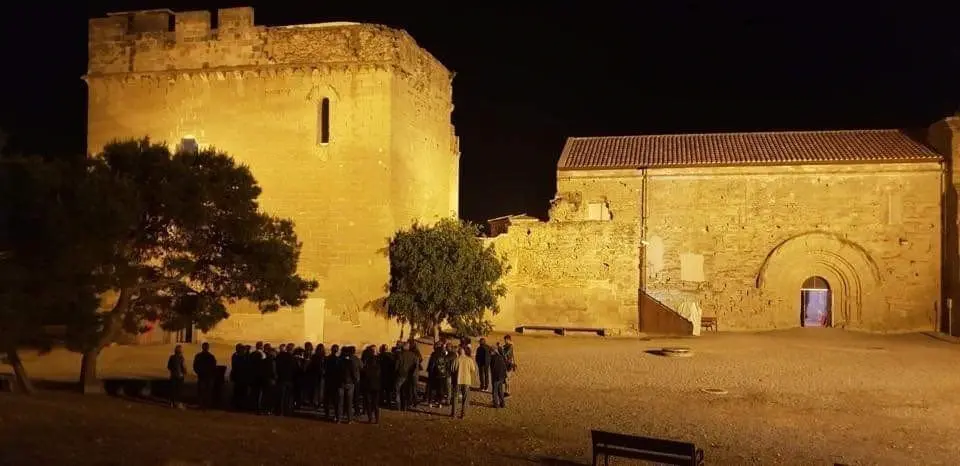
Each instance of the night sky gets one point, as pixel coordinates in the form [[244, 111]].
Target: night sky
[[528, 77]]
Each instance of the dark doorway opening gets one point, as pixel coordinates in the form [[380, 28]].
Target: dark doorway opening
[[815, 302]]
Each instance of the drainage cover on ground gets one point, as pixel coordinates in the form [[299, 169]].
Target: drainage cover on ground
[[680, 352], [714, 391]]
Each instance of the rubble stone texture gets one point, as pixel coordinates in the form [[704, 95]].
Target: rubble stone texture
[[257, 93]]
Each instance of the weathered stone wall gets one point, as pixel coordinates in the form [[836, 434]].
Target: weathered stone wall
[[572, 271], [255, 92], [580, 274], [741, 241]]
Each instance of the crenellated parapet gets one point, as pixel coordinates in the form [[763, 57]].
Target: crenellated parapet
[[164, 41]]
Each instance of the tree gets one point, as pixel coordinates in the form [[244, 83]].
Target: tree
[[187, 238], [43, 279], [444, 273]]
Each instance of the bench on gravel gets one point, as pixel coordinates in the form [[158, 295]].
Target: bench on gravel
[[607, 444], [709, 323], [562, 330]]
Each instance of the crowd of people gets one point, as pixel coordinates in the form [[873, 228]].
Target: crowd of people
[[341, 385]]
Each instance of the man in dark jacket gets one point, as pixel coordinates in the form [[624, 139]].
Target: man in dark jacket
[[286, 371], [177, 367], [349, 377], [483, 364], [498, 374], [268, 375], [238, 376], [205, 366], [331, 380], [406, 367], [370, 384], [450, 357], [254, 370], [315, 372], [387, 362]]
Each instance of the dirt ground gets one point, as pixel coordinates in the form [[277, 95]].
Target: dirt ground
[[805, 396]]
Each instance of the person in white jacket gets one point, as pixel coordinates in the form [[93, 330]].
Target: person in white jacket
[[466, 370]]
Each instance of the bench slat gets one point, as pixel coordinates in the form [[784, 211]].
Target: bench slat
[[614, 440], [662, 458]]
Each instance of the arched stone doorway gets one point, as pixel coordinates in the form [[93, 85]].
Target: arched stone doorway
[[815, 303], [851, 275]]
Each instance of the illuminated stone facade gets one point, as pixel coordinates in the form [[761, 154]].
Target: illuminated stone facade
[[347, 127], [737, 233]]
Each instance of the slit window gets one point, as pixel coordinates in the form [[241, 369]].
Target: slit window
[[323, 121]]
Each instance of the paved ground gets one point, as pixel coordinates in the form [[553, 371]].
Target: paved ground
[[793, 397]]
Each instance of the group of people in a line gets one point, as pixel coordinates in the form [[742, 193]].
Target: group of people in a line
[[271, 380]]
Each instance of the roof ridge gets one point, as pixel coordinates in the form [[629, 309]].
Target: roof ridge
[[737, 148], [740, 133]]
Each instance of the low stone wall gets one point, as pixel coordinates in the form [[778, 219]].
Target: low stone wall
[[569, 274]]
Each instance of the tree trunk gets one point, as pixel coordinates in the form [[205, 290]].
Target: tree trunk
[[436, 333], [20, 373], [89, 383], [88, 364]]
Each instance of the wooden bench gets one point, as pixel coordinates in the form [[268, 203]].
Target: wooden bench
[[562, 330], [709, 323], [607, 444]]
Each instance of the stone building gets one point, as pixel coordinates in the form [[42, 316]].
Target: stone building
[[346, 126], [760, 230]]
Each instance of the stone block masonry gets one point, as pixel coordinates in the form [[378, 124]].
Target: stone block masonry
[[345, 126], [738, 241]]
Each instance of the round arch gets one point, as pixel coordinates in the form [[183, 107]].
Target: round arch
[[851, 275]]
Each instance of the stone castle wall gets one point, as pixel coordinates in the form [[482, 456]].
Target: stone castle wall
[[573, 271], [255, 92], [739, 241]]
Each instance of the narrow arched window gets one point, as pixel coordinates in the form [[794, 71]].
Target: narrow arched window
[[323, 121]]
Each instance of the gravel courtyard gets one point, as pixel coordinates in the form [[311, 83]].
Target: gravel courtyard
[[805, 396]]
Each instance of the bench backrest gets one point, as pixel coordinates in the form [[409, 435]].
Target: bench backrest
[[643, 443]]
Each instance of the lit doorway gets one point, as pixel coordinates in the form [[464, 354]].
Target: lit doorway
[[815, 303]]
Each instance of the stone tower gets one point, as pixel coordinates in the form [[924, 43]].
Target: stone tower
[[346, 126]]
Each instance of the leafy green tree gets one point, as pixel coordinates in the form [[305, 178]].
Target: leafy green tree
[[187, 237], [444, 273], [44, 277]]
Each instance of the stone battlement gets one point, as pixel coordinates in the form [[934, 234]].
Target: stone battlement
[[163, 40]]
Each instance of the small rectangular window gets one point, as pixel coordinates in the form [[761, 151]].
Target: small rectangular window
[[598, 211], [323, 121]]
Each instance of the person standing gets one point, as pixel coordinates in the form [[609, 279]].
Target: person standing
[[349, 376], [498, 376], [509, 355], [286, 372], [205, 366], [370, 384], [238, 376], [316, 372], [466, 370], [483, 364], [331, 383], [406, 367], [177, 367]]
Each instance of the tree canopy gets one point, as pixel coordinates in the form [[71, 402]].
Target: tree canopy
[[174, 236], [190, 238], [44, 277], [444, 273]]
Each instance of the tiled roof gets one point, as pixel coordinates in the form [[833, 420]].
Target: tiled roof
[[725, 149]]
